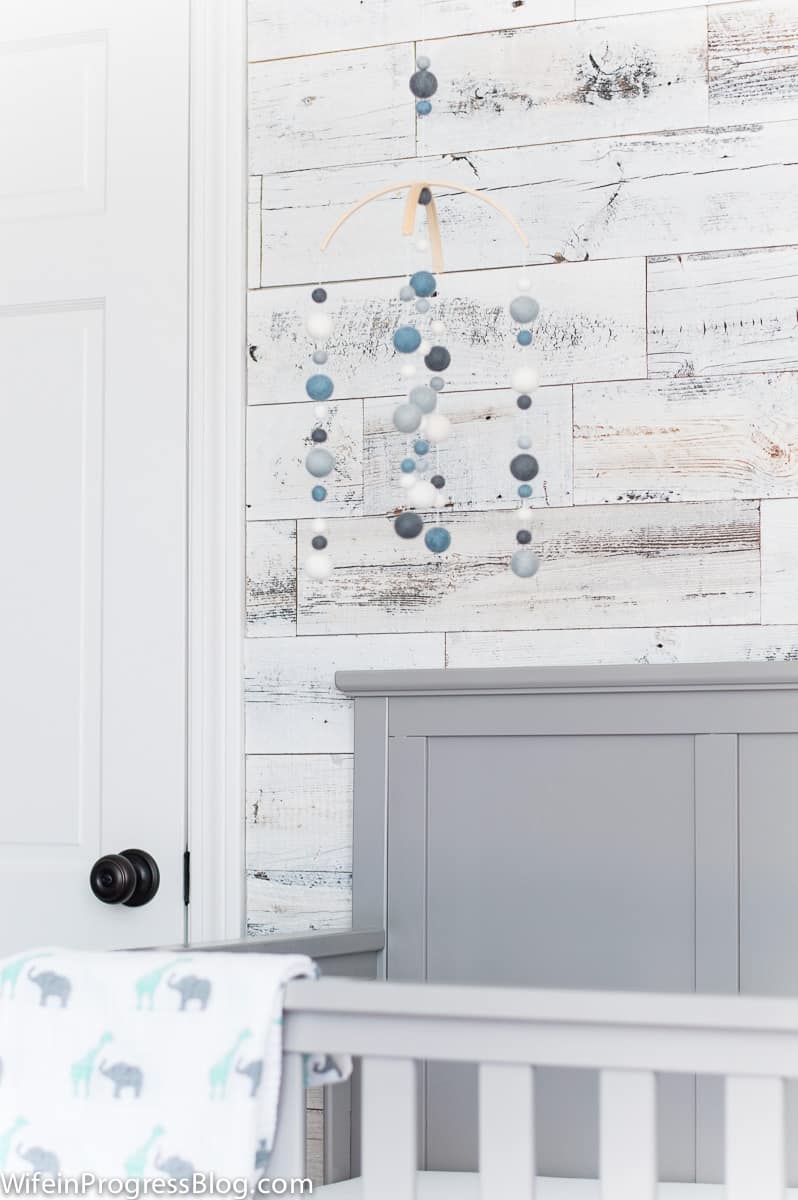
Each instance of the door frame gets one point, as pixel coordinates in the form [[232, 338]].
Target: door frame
[[216, 467]]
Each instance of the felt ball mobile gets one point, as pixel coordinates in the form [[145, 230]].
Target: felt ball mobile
[[319, 460]]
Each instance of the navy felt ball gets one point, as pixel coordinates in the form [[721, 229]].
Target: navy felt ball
[[438, 359], [524, 467], [319, 542], [407, 339], [423, 283], [438, 539], [437, 481], [408, 525], [524, 402], [423, 84], [319, 387], [319, 295], [523, 537], [319, 435], [424, 196]]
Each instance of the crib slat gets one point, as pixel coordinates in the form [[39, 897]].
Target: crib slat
[[506, 1131], [287, 1158], [755, 1146], [389, 1151], [628, 1135]]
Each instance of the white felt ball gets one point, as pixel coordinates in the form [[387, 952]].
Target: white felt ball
[[425, 348], [321, 411], [319, 566], [438, 328], [319, 525], [407, 481], [522, 515], [422, 494], [439, 501], [408, 370], [524, 283], [421, 244], [437, 427], [319, 325], [525, 379]]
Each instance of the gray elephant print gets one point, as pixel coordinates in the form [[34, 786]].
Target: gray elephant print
[[254, 1072], [191, 987], [174, 1167], [123, 1076], [51, 984], [43, 1161]]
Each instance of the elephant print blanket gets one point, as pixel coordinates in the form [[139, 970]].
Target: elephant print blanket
[[144, 1064]]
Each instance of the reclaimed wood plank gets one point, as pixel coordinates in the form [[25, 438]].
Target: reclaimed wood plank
[[779, 561], [719, 314], [299, 812], [292, 702], [254, 209], [587, 9], [348, 107], [275, 31], [278, 440], [661, 193], [581, 647], [611, 565], [271, 579], [297, 901], [753, 61], [473, 460], [592, 327], [562, 82], [686, 439]]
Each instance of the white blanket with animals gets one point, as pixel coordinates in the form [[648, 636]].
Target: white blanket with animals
[[143, 1064]]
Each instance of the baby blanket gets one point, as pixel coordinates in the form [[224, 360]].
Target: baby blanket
[[144, 1064]]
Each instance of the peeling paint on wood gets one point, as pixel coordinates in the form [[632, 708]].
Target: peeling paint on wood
[[592, 326], [717, 314], [271, 579], [473, 460], [779, 560], [293, 901], [686, 439], [299, 812], [753, 61], [561, 82], [691, 564]]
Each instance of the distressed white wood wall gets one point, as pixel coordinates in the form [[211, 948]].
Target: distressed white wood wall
[[649, 148]]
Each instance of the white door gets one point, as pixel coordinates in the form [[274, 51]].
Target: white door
[[93, 379]]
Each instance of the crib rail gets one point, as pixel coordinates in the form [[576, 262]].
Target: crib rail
[[627, 1037]]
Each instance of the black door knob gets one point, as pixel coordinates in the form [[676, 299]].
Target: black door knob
[[129, 878]]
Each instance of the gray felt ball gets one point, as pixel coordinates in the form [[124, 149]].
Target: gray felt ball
[[438, 359], [319, 462], [422, 62], [407, 418], [524, 467], [408, 525], [320, 357], [423, 398], [423, 84], [525, 563], [524, 309], [406, 293]]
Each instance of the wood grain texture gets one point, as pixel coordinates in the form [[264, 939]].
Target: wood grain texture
[[293, 901], [254, 205], [660, 193], [607, 566], [299, 812], [278, 440], [557, 83], [473, 460], [581, 647], [686, 439], [349, 107], [753, 61], [717, 314], [592, 327], [276, 32], [271, 579], [587, 9], [293, 706], [779, 560]]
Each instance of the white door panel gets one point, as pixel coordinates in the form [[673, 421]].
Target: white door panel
[[93, 353]]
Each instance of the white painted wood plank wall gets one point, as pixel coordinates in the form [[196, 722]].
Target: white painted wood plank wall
[[648, 147]]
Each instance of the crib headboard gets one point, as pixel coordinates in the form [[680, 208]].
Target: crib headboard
[[616, 827]]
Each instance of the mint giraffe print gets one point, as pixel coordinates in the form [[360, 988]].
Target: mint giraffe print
[[136, 1163], [11, 972], [220, 1071], [7, 1137], [82, 1069], [147, 985]]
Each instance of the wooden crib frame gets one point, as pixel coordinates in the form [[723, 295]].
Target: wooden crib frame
[[509, 1032]]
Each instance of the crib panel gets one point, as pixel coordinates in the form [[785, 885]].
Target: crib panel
[[506, 1124], [628, 1135], [389, 1149], [288, 1154], [755, 1146]]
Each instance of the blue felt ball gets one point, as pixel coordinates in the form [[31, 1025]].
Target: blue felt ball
[[525, 491], [437, 539], [525, 337], [406, 339], [437, 383], [408, 465], [319, 387], [421, 447], [423, 108], [319, 492], [423, 283]]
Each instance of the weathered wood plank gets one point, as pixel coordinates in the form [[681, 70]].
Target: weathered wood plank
[[717, 314], [299, 812], [276, 32], [661, 193], [271, 579], [278, 439], [473, 460], [254, 207], [686, 439], [581, 647], [779, 560], [350, 107], [292, 703], [592, 327], [753, 61], [296, 901], [611, 565], [561, 82], [586, 9]]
